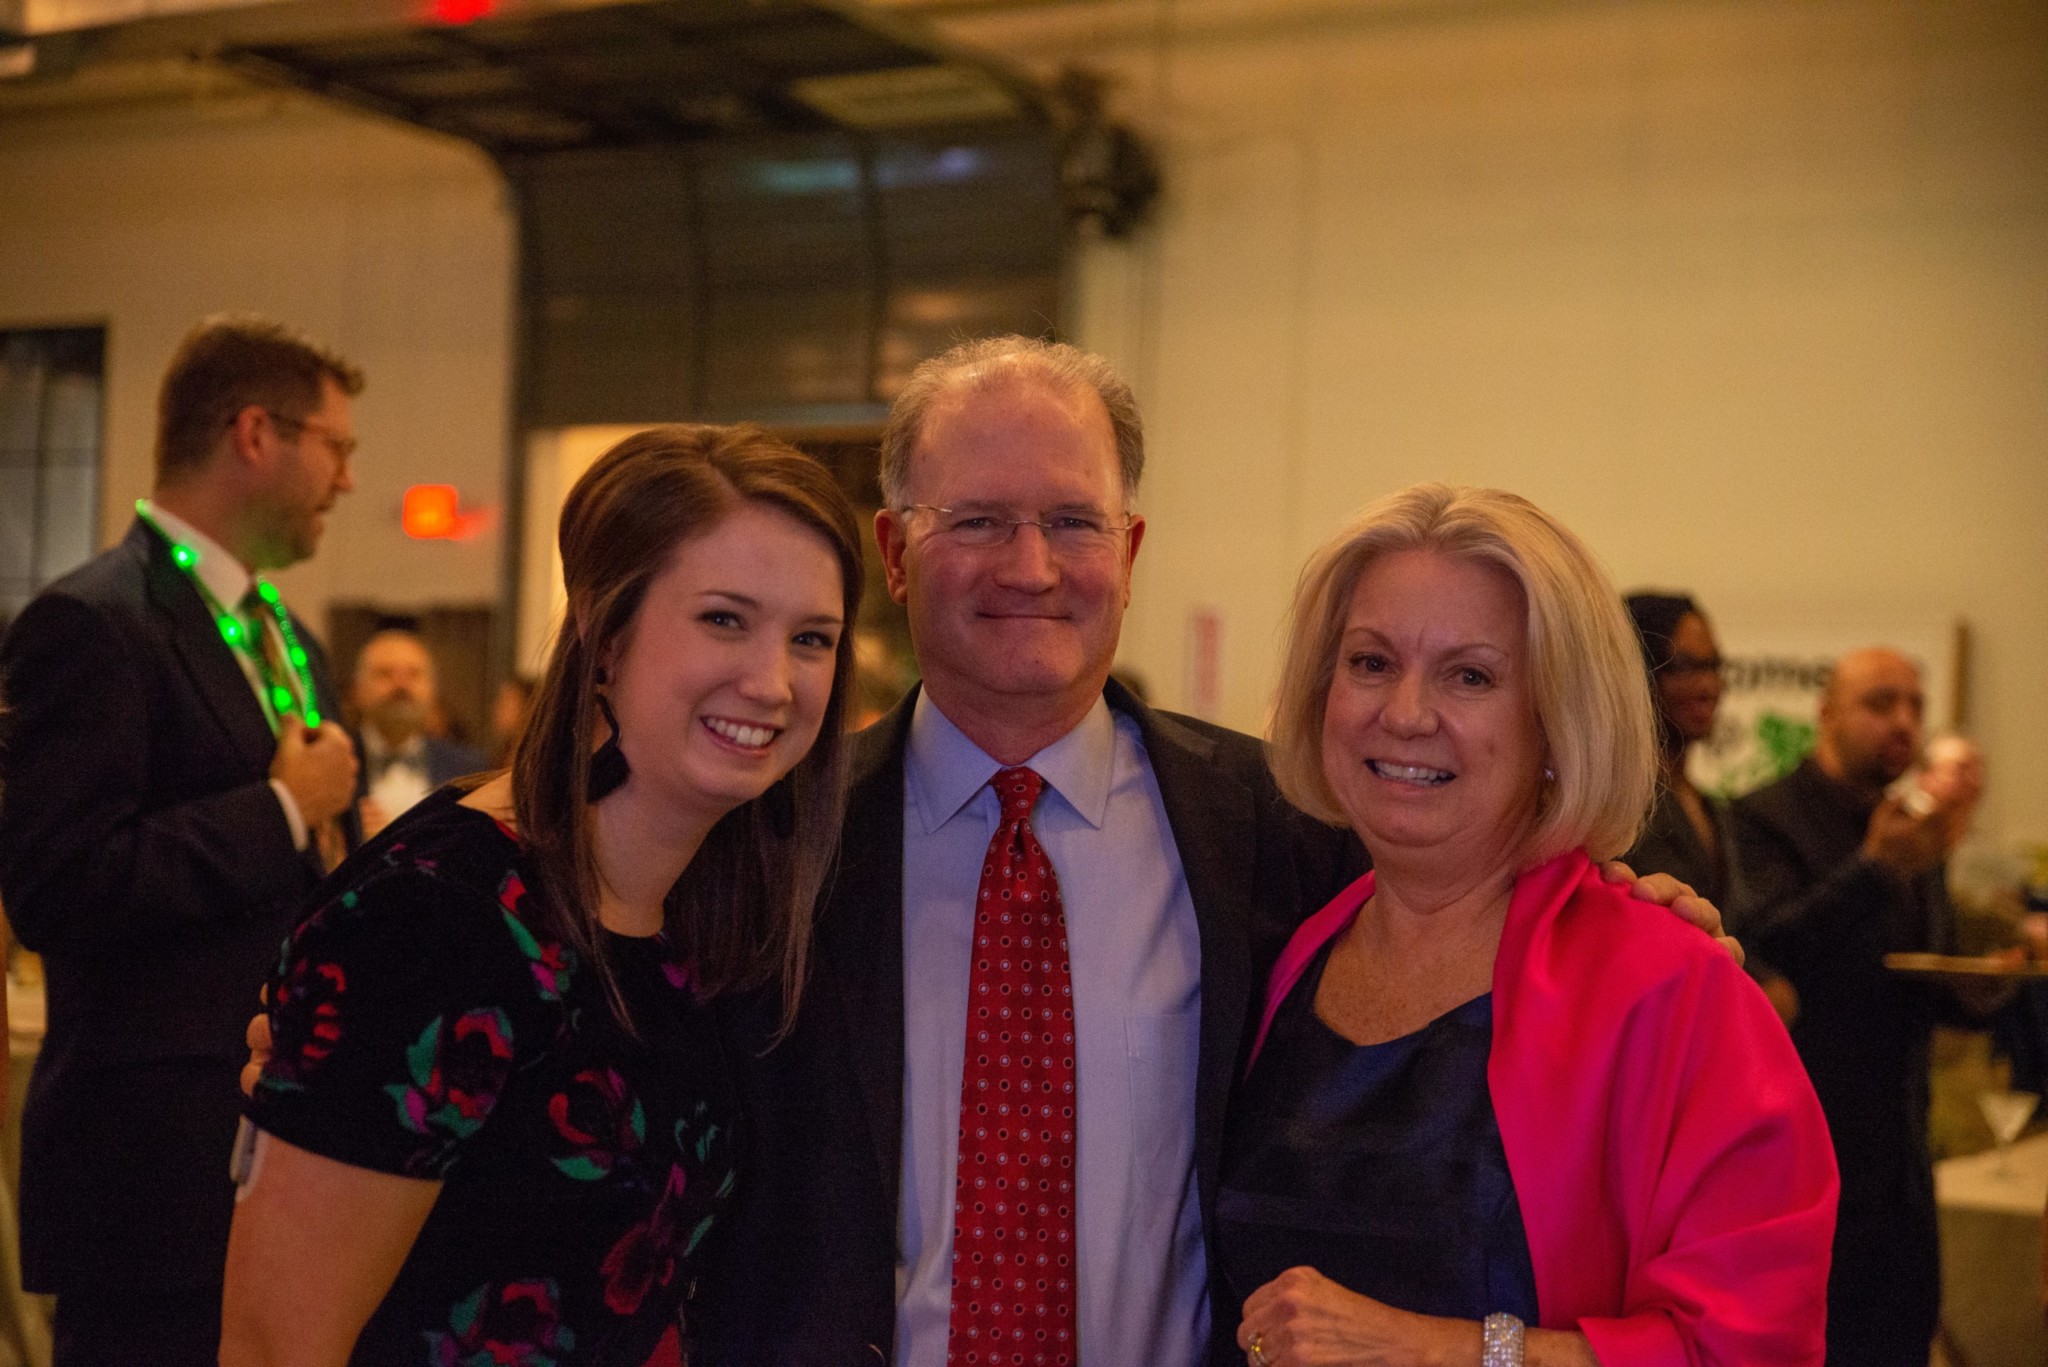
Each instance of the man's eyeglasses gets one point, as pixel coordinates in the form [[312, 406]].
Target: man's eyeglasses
[[1073, 531], [341, 447]]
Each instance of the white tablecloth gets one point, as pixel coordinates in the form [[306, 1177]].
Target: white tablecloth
[[1991, 1212], [2013, 1184]]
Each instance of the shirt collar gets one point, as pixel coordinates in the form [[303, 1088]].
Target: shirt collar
[[413, 749], [944, 769], [222, 574]]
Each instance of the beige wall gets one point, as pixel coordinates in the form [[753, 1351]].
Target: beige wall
[[392, 246], [1754, 295], [555, 460]]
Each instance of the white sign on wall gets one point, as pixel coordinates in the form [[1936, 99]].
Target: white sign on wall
[[1772, 684]]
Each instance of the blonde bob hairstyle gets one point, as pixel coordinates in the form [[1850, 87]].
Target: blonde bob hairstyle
[[1586, 669]]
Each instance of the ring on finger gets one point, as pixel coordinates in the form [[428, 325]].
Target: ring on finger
[[1258, 1353]]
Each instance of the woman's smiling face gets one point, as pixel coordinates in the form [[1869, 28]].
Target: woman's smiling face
[[721, 682], [1431, 742]]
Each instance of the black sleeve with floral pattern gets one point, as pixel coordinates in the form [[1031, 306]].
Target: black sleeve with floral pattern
[[423, 1026], [403, 1006]]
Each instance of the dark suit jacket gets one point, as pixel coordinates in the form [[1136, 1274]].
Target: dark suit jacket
[[807, 1274], [444, 761], [448, 760], [144, 855], [1826, 917]]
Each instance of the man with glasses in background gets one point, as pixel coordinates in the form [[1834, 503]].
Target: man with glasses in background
[[171, 785]]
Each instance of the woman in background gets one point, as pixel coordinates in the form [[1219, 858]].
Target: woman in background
[[1690, 834], [1496, 1112], [495, 1126]]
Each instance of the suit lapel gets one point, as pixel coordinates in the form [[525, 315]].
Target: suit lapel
[[861, 930], [208, 661], [1213, 818], [861, 933]]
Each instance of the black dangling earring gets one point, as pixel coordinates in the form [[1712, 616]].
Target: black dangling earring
[[608, 768], [780, 799]]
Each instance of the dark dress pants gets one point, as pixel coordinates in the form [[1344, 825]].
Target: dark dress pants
[[1884, 1289], [130, 1328]]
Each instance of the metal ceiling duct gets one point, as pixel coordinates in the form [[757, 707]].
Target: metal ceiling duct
[[728, 208], [523, 76]]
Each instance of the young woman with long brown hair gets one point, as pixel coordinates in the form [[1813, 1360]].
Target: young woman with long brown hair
[[495, 1124]]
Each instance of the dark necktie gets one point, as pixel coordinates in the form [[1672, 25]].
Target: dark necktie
[[266, 649], [282, 697], [1013, 1221]]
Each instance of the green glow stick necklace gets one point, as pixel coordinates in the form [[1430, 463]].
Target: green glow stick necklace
[[232, 630]]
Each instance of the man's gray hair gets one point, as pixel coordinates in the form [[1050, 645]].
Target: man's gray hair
[[990, 361]]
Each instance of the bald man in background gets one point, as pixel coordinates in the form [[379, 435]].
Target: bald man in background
[[1840, 875]]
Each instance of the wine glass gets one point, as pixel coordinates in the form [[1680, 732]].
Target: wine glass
[[2007, 1114]]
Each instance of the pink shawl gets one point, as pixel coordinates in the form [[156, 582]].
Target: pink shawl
[[1675, 1174]]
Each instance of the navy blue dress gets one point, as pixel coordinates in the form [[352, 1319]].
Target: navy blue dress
[[1379, 1165]]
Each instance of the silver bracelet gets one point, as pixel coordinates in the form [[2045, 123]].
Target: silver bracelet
[[1500, 1341]]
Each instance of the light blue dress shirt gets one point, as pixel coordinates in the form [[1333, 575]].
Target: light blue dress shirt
[[1134, 952]]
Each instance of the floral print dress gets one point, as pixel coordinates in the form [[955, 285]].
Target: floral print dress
[[423, 1027]]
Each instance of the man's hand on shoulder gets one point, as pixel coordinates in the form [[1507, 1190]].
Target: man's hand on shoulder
[[1679, 898]]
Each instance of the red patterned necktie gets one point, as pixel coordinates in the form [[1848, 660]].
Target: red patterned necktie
[[1013, 1218]]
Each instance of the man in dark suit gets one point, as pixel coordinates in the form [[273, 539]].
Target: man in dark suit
[[170, 788], [1841, 875], [394, 695], [1009, 470]]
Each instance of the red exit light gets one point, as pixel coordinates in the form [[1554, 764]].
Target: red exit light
[[431, 511], [462, 11]]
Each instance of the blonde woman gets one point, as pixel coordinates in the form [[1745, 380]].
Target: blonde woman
[[1495, 1113]]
